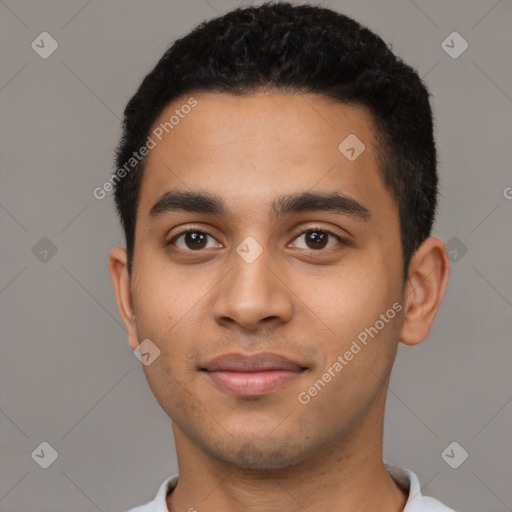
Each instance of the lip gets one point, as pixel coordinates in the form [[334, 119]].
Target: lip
[[251, 375]]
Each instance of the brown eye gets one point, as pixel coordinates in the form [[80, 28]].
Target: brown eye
[[317, 239], [193, 240]]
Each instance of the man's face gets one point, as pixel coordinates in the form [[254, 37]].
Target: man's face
[[307, 296]]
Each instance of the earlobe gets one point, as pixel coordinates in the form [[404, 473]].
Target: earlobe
[[428, 276], [118, 268]]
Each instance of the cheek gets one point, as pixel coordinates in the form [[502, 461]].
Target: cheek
[[350, 305], [169, 374], [164, 316], [164, 297], [165, 386], [350, 300]]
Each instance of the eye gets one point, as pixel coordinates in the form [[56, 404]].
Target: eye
[[193, 239], [316, 239]]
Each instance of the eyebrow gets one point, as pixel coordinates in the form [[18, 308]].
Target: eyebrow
[[202, 202]]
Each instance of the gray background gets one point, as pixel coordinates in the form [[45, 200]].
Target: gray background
[[67, 374]]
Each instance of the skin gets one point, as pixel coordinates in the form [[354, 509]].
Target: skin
[[308, 304]]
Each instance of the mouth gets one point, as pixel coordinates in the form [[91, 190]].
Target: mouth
[[254, 375]]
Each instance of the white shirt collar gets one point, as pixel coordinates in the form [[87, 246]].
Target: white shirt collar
[[416, 502]]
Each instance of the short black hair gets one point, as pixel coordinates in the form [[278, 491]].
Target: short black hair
[[299, 49]]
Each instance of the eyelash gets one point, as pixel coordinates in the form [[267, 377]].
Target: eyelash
[[309, 230]]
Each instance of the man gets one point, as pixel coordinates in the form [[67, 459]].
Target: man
[[276, 183]]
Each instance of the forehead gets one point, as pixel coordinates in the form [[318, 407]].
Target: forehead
[[263, 145]]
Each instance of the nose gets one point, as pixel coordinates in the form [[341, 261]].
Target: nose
[[253, 295]]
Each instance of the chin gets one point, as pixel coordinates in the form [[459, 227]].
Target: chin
[[262, 454]]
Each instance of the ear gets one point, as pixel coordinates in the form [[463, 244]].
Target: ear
[[118, 267], [427, 279]]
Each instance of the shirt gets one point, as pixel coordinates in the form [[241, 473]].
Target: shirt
[[404, 478]]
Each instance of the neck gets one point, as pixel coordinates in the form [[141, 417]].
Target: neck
[[346, 475]]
